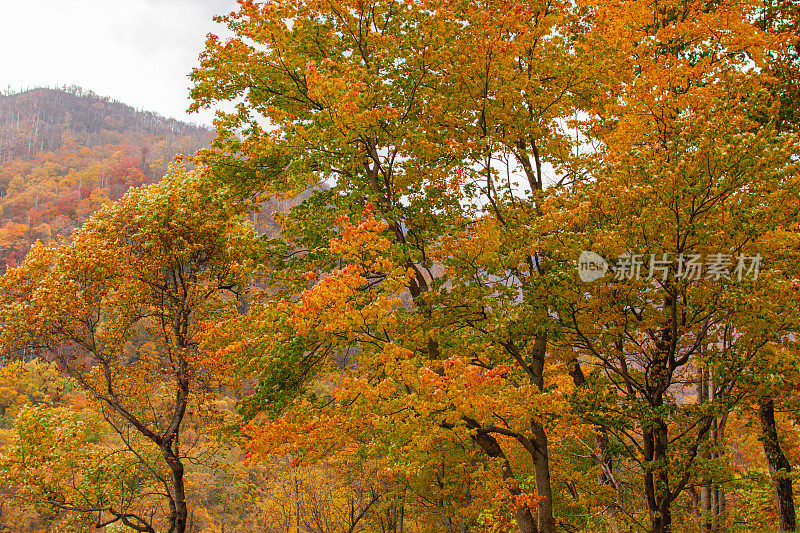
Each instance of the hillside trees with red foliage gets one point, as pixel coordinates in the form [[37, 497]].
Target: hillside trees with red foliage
[[65, 153]]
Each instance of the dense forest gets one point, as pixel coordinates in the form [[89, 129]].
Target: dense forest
[[65, 152], [475, 267], [36, 120]]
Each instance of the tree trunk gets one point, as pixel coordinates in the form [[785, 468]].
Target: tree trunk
[[541, 457], [656, 479], [181, 511], [705, 483], [662, 520], [779, 467], [490, 446], [541, 471]]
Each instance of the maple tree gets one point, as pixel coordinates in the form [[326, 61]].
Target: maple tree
[[119, 308], [29, 383], [781, 18], [410, 108], [55, 459], [691, 168], [412, 112]]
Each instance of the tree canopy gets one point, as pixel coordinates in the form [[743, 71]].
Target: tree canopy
[[537, 270]]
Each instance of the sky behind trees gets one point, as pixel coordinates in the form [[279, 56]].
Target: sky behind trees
[[139, 52]]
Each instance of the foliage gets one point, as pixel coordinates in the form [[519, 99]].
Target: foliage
[[408, 345], [66, 153], [120, 308], [424, 306]]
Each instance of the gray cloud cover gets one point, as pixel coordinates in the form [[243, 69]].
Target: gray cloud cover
[[136, 51]]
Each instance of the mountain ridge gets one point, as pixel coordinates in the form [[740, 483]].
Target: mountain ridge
[[66, 152], [35, 120]]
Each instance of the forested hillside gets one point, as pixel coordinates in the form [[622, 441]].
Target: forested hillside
[[66, 152], [511, 266]]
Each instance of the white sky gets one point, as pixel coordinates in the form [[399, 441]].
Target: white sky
[[139, 52]]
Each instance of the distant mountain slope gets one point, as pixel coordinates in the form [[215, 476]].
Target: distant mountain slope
[[35, 121], [66, 152]]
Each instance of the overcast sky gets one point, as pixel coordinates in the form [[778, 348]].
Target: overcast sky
[[136, 51]]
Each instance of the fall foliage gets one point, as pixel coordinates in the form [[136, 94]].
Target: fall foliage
[[366, 306], [66, 153]]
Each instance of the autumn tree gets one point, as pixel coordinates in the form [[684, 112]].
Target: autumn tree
[[414, 109], [464, 155], [694, 171], [57, 461], [119, 308], [28, 383], [784, 65]]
